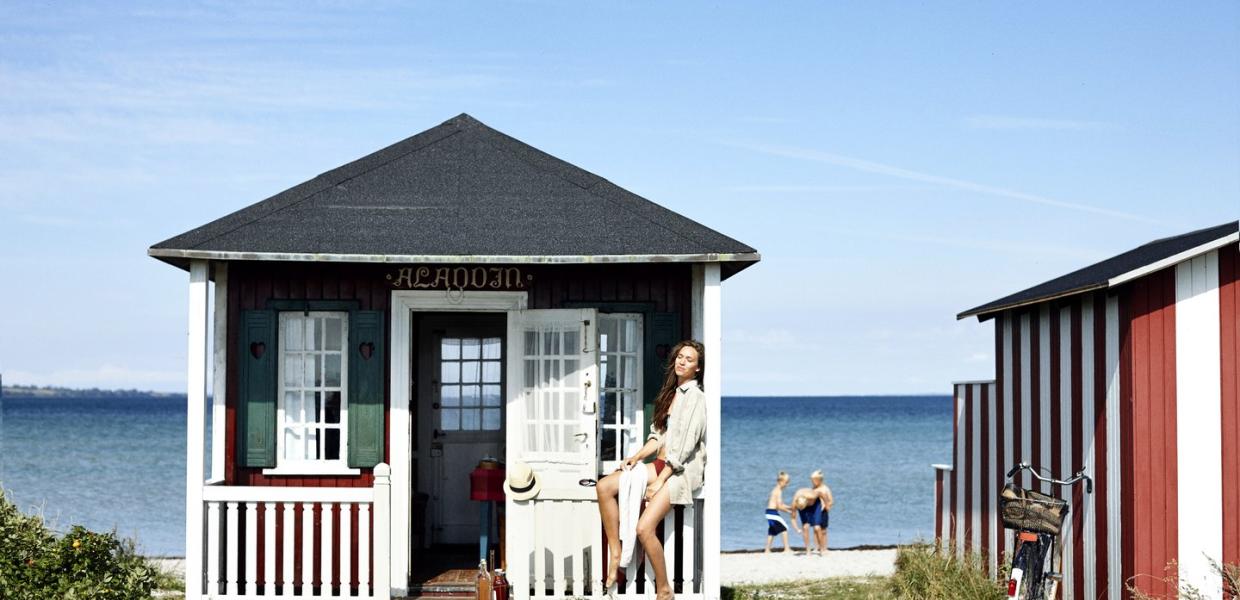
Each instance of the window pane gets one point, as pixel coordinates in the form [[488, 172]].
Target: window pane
[[490, 395], [628, 335], [607, 444], [313, 412], [571, 338], [292, 443], [292, 328], [628, 371], [531, 343], [292, 370], [331, 450], [531, 372], [628, 408], [491, 419], [314, 339], [568, 439], [332, 367], [450, 395], [312, 376], [470, 395], [334, 326], [470, 420], [333, 407], [450, 419], [470, 372], [292, 407], [312, 444], [570, 373], [605, 374], [450, 349], [631, 441], [551, 343], [471, 348], [450, 372], [491, 348], [491, 372], [607, 334], [609, 408]]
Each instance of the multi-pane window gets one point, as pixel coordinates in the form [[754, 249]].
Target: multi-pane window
[[470, 382], [313, 402], [620, 392], [553, 389]]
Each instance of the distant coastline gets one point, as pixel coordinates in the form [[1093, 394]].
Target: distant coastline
[[53, 392]]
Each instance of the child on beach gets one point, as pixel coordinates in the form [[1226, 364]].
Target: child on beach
[[825, 502], [774, 503], [805, 504]]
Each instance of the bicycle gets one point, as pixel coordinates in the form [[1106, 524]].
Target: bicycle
[[1038, 519]]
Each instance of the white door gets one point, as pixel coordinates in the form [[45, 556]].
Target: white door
[[552, 408]]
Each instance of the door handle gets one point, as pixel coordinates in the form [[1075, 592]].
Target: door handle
[[581, 437]]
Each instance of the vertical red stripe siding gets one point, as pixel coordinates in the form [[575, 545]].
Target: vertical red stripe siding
[[1229, 339], [1035, 396], [1101, 575], [1000, 416], [1056, 447], [967, 516], [956, 467], [938, 505], [987, 490], [1018, 435], [1077, 513]]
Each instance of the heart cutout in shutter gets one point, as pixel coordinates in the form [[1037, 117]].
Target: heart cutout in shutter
[[366, 349], [257, 349]]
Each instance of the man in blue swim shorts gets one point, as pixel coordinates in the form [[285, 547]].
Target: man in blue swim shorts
[[825, 501]]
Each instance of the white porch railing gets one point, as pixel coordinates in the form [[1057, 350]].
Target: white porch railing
[[568, 557], [296, 542]]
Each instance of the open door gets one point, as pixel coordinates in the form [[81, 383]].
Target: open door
[[552, 408]]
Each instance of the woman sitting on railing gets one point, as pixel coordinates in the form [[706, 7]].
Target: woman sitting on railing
[[678, 435]]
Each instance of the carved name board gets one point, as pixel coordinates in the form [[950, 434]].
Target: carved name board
[[459, 278]]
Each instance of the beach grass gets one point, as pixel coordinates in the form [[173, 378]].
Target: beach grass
[[841, 588]]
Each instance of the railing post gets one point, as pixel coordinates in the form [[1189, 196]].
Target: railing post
[[383, 531]]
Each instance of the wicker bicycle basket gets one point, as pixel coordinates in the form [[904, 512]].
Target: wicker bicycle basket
[[1028, 510]]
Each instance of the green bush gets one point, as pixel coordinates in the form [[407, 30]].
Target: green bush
[[36, 563], [926, 574]]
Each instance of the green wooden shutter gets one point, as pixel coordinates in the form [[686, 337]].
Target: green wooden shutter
[[663, 333], [257, 399], [366, 361]]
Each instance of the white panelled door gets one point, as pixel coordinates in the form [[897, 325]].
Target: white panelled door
[[552, 404]]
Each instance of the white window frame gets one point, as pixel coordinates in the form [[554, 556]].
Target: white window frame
[[481, 433], [606, 464], [337, 466]]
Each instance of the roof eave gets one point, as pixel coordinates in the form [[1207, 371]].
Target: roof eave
[[985, 312], [180, 258]]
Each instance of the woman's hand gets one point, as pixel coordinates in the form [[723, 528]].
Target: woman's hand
[[653, 489], [627, 464]]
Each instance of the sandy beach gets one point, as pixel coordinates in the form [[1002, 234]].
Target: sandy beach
[[756, 567]]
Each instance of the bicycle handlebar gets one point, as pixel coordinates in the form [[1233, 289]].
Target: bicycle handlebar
[[1078, 476]]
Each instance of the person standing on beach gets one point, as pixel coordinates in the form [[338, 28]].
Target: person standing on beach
[[774, 503], [822, 494], [805, 505]]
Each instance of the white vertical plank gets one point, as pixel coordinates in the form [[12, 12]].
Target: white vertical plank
[[219, 368], [346, 543], [975, 473], [269, 548], [289, 526], [251, 547], [540, 559], [325, 550], [1026, 401], [670, 546], [384, 574], [363, 550], [231, 557], [712, 338], [213, 548], [958, 515], [689, 544], [1044, 396], [195, 423], [1115, 587], [580, 520], [307, 548], [559, 546], [1066, 433], [1089, 527], [1198, 401]]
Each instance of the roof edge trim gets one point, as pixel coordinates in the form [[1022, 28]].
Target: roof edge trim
[[1173, 259], [168, 253], [981, 314]]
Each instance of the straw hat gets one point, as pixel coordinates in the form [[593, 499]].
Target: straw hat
[[522, 483]]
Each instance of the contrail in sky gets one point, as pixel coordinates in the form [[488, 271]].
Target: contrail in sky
[[877, 168]]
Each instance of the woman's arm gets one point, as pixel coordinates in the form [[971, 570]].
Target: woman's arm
[[651, 446], [695, 429]]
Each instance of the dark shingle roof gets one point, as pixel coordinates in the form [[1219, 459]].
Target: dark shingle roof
[[458, 191], [1111, 271]]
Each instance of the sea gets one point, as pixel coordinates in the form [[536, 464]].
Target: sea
[[118, 463]]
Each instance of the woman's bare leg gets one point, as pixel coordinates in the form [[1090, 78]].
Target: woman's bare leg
[[647, 525], [609, 512]]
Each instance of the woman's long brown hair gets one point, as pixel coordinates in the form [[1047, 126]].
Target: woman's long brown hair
[[663, 402]]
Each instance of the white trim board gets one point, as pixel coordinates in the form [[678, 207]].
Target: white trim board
[[707, 257], [403, 304], [1174, 259]]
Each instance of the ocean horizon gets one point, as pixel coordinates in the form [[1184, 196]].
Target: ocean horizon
[[117, 462]]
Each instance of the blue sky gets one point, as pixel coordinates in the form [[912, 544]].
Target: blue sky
[[895, 163]]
